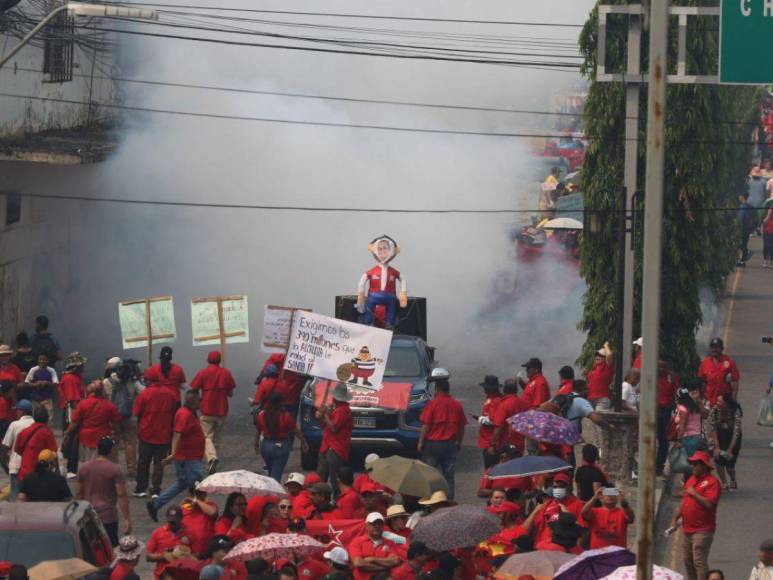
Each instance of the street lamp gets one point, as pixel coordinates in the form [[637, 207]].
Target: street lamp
[[82, 9]]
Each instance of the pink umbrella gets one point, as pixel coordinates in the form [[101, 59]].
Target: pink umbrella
[[274, 546], [241, 481], [629, 573]]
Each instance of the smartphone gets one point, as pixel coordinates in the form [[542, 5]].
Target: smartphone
[[610, 491], [669, 531]]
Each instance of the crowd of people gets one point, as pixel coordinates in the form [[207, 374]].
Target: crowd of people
[[154, 418]]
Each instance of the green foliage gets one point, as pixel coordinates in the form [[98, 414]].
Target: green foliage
[[707, 160]]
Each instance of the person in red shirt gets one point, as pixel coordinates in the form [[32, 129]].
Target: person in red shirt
[[167, 374], [127, 556], [267, 385], [564, 535], [566, 381], [719, 372], [668, 385], [33, 440], [292, 383], [418, 556], [154, 408], [8, 370], [165, 539], [372, 553], [72, 390], [487, 429], [337, 424], [563, 500], [637, 347], [199, 516], [698, 514], [233, 522], [508, 406], [488, 486], [608, 524], [276, 427], [217, 386], [599, 378], [442, 432], [397, 520], [186, 453], [94, 417], [536, 390], [349, 502]]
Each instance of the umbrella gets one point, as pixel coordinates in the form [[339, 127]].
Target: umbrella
[[545, 427], [273, 546], [594, 564], [629, 573], [528, 466], [540, 565], [562, 223], [68, 569], [243, 481], [461, 526], [408, 476]]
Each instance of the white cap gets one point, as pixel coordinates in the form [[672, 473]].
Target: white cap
[[338, 556], [374, 517], [296, 477], [371, 457], [113, 362], [639, 342]]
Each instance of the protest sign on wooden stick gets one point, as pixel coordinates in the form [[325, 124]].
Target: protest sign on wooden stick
[[220, 320], [147, 321]]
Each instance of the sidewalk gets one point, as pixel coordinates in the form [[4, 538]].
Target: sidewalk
[[745, 515]]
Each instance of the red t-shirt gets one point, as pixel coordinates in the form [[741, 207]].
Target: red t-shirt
[[173, 381], [285, 428], [636, 362], [695, 517], [508, 406], [155, 409], [11, 372], [668, 385], [404, 572], [599, 379], [6, 410], [341, 440], [351, 506], [30, 443], [216, 384], [161, 540], [71, 389], [551, 512], [191, 444], [121, 571], [96, 417], [716, 374], [238, 534], [566, 387], [312, 568], [302, 506], [608, 527], [363, 547], [444, 418], [200, 527], [535, 393], [486, 432]]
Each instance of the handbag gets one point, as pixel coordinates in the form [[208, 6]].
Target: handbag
[[765, 414], [677, 458]]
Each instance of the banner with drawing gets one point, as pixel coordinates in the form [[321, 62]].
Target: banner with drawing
[[337, 350]]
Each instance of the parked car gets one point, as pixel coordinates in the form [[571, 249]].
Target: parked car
[[32, 532], [410, 360]]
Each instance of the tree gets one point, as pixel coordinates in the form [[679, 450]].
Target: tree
[[708, 153]]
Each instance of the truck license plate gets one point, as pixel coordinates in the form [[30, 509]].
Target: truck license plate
[[365, 422]]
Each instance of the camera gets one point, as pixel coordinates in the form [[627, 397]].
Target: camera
[[768, 339]]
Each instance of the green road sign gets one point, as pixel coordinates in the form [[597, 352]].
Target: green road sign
[[746, 31]]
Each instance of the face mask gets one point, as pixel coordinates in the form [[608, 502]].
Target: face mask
[[559, 493]]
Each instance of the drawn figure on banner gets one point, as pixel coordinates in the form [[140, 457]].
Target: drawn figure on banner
[[364, 365], [381, 288]]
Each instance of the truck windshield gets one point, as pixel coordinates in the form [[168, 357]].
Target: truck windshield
[[403, 362], [24, 547]]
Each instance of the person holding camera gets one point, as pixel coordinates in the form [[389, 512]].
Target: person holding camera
[[123, 389], [609, 523], [719, 372]]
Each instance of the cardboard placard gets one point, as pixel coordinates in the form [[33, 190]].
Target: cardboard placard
[[277, 321], [220, 320]]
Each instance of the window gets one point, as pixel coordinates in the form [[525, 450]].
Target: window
[[58, 49], [12, 208], [24, 546], [403, 362]]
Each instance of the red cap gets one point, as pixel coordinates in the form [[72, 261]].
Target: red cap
[[562, 477], [311, 479], [371, 487], [702, 457], [214, 357]]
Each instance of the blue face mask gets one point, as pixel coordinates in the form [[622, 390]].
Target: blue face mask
[[559, 493]]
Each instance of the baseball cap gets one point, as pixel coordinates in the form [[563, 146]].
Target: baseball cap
[[296, 477], [338, 556], [47, 455], [766, 546], [374, 517], [716, 343], [24, 405], [701, 457], [639, 342], [532, 363], [562, 477]]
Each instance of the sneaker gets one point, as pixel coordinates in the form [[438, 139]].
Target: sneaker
[[152, 511], [71, 475], [140, 494], [154, 496]]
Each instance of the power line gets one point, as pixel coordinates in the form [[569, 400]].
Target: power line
[[349, 15]]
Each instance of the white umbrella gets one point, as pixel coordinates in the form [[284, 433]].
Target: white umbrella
[[629, 573], [241, 481], [562, 223]]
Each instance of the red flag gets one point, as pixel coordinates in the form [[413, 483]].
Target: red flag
[[390, 396], [335, 532]]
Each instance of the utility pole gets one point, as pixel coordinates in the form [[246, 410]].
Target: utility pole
[[653, 232]]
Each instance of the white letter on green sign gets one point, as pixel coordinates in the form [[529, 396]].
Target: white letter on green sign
[[745, 10]]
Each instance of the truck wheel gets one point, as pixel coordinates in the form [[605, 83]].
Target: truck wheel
[[309, 460]]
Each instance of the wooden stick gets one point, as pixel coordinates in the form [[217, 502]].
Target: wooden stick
[[144, 300], [144, 338], [289, 340], [149, 328], [221, 324], [217, 299], [217, 336]]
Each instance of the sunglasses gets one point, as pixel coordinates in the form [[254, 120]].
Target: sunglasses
[[284, 507]]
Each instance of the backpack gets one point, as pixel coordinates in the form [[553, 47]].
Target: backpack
[[122, 399], [44, 344]]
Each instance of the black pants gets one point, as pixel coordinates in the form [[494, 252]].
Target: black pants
[[442, 456], [112, 532], [330, 464], [767, 240], [663, 418], [69, 447], [155, 453], [744, 245], [489, 459]]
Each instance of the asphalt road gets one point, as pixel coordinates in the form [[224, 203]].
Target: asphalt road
[[745, 516]]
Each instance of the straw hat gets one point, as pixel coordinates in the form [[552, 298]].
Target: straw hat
[[396, 511], [437, 497]]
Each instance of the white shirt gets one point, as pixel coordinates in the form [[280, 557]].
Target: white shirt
[[760, 572], [31, 375], [14, 461], [630, 395]]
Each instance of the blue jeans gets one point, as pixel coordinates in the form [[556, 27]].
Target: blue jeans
[[275, 453], [186, 474], [442, 456], [386, 299], [15, 485]]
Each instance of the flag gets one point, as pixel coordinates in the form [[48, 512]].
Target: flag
[[335, 532]]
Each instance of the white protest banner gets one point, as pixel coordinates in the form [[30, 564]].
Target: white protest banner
[[220, 319], [146, 322], [277, 321], [334, 349]]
